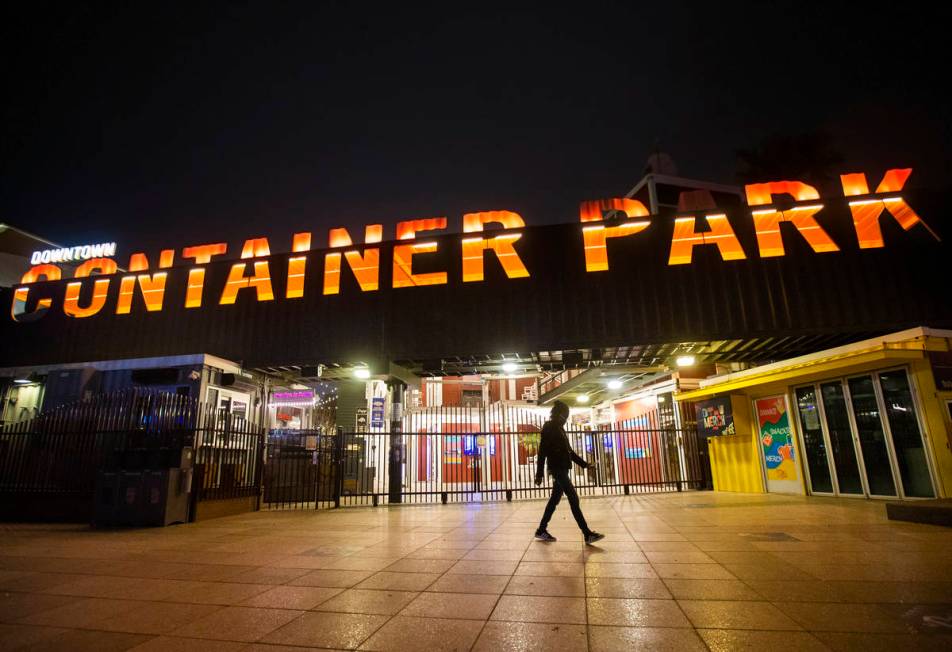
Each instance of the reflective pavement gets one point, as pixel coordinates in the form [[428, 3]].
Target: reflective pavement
[[680, 571]]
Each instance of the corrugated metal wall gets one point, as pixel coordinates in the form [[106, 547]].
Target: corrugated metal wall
[[640, 300]]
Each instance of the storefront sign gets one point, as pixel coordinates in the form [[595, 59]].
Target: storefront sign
[[300, 398], [777, 444], [715, 417], [360, 421], [71, 254], [377, 411], [792, 202]]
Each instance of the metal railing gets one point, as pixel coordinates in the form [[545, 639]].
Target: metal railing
[[60, 454], [479, 466]]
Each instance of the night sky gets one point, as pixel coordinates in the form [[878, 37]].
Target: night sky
[[164, 124]]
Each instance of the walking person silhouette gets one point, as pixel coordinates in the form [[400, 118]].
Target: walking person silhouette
[[555, 447]]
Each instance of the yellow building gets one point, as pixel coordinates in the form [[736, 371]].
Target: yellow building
[[869, 419]]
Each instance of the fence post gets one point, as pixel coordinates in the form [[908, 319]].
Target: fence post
[[198, 481], [338, 466], [260, 455], [395, 464]]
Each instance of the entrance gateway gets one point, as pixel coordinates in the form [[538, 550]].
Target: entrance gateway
[[598, 313]]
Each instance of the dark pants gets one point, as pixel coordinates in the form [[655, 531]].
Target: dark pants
[[562, 484]]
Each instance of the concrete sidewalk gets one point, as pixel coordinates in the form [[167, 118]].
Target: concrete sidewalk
[[687, 571]]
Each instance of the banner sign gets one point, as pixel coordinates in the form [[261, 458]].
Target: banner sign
[[777, 444], [377, 411]]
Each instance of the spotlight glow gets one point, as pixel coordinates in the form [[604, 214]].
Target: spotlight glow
[[509, 367], [614, 384], [685, 361], [362, 373], [581, 398]]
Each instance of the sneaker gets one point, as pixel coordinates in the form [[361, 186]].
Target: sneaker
[[592, 537], [544, 536]]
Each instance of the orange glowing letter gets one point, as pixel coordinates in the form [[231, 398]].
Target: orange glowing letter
[[196, 276], [685, 238], [403, 276], [260, 280], [39, 272], [595, 236], [473, 248], [100, 288], [767, 221], [866, 212], [365, 266], [300, 243], [152, 286]]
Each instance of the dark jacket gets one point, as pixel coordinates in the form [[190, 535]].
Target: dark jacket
[[555, 447]]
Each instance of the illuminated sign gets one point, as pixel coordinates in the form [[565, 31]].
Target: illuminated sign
[[300, 398], [256, 273], [70, 254]]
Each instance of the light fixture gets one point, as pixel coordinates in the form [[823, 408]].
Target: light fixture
[[22, 381], [509, 367], [614, 384], [363, 373], [581, 398], [684, 361]]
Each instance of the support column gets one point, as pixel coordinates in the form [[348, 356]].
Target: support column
[[396, 441]]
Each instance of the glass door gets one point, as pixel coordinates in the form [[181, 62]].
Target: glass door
[[872, 436], [842, 445], [814, 441], [906, 436]]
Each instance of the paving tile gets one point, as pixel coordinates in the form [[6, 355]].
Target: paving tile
[[79, 640], [856, 642], [692, 571], [710, 590], [325, 629], [540, 609], [366, 601], [404, 633], [656, 639], [14, 606], [269, 575], [625, 587], [292, 597], [479, 567], [615, 557], [731, 640], [551, 568], [468, 606], [385, 580], [676, 557], [730, 614], [492, 584], [238, 623], [84, 613], [420, 566], [178, 644], [631, 612], [553, 586], [632, 571], [531, 637], [16, 637], [155, 617], [843, 617], [331, 578], [222, 593]]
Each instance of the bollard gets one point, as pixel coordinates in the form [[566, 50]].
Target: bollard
[[508, 495], [443, 497]]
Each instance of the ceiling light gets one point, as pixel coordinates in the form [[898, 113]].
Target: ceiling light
[[685, 361], [509, 367], [22, 381], [363, 373], [581, 398], [614, 384]]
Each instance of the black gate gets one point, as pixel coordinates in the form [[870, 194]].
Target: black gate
[[300, 470]]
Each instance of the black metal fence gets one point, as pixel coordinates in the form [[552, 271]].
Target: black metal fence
[[49, 465], [480, 466]]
